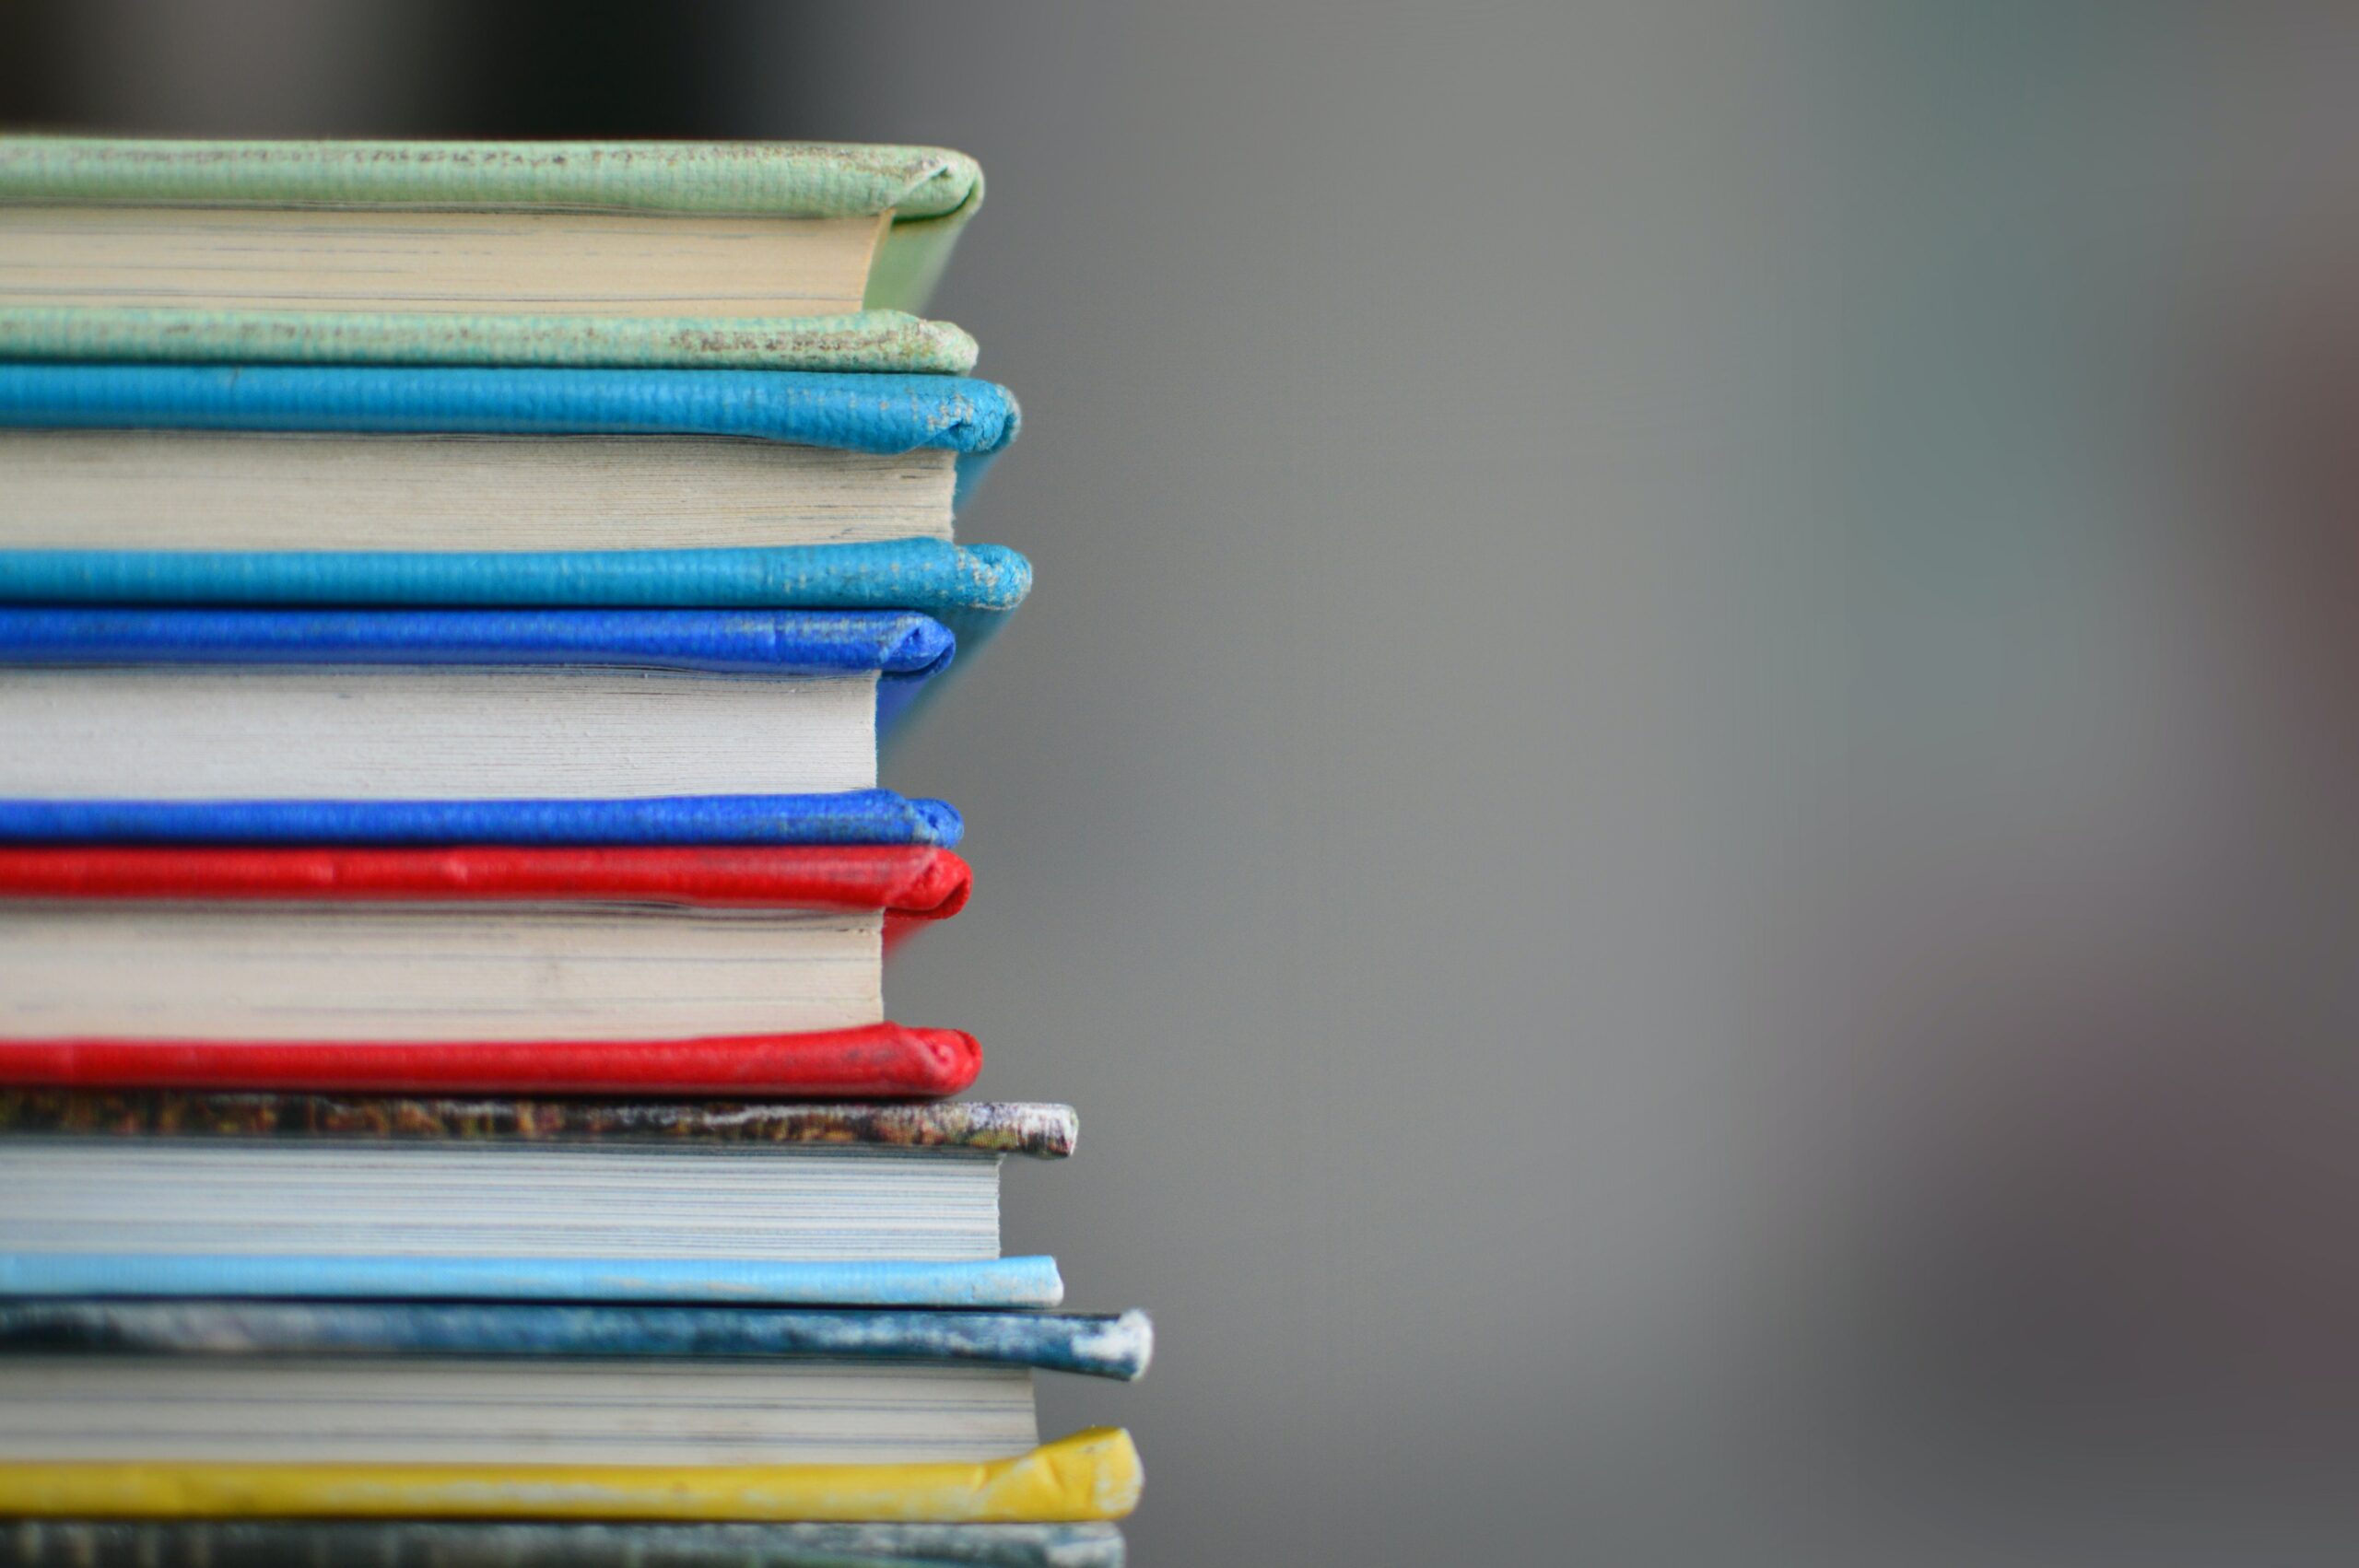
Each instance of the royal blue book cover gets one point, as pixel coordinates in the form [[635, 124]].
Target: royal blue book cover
[[901, 648], [851, 816], [1103, 1345]]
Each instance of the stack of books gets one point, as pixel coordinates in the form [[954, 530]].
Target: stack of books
[[451, 598]]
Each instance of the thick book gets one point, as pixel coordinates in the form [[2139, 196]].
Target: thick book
[[176, 457], [439, 1383], [293, 1197], [407, 1543], [114, 704], [1090, 1474], [471, 968], [772, 255]]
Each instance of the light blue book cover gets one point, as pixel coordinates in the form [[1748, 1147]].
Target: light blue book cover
[[995, 1282], [976, 420]]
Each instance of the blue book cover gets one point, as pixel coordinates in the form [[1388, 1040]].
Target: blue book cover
[[974, 419], [1102, 1345], [995, 1283], [901, 648], [853, 816], [971, 589]]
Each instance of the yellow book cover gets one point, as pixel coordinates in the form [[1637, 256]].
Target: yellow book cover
[[1090, 1474]]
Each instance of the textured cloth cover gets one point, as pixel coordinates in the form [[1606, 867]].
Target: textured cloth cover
[[1042, 1131], [851, 816], [419, 1543], [871, 413], [907, 882], [880, 342], [1090, 1474], [998, 1283], [932, 192], [874, 1061], [1100, 1345]]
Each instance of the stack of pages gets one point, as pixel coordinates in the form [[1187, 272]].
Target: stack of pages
[[451, 599]]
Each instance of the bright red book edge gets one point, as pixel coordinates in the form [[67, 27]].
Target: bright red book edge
[[910, 883], [875, 1063]]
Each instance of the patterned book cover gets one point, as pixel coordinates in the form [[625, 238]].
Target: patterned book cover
[[1041, 1132], [406, 1543], [1103, 1345]]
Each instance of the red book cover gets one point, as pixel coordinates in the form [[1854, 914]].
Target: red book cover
[[909, 883], [881, 1061], [912, 884]]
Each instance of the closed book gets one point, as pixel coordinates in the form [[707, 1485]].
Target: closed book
[[382, 1383], [179, 457], [772, 255], [627, 962], [109, 704], [284, 1196]]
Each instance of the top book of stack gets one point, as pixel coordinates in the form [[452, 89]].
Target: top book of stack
[[630, 255]]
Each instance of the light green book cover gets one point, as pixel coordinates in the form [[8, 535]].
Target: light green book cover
[[930, 192]]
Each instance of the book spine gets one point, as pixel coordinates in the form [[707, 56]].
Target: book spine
[[879, 1062]]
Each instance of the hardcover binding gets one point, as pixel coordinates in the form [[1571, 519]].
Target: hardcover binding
[[1090, 1474], [853, 816], [930, 575], [878, 1061], [1041, 1132], [908, 883], [420, 1544], [997, 1282], [1099, 1345], [860, 412]]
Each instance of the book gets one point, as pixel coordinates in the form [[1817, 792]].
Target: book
[[110, 457], [1089, 1475], [186, 704], [286, 1195], [459, 1543], [324, 950], [558, 253], [433, 1383]]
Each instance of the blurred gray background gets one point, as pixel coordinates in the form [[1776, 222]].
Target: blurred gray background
[[1594, 800]]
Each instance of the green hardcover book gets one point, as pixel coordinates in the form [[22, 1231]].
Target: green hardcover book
[[759, 255]]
